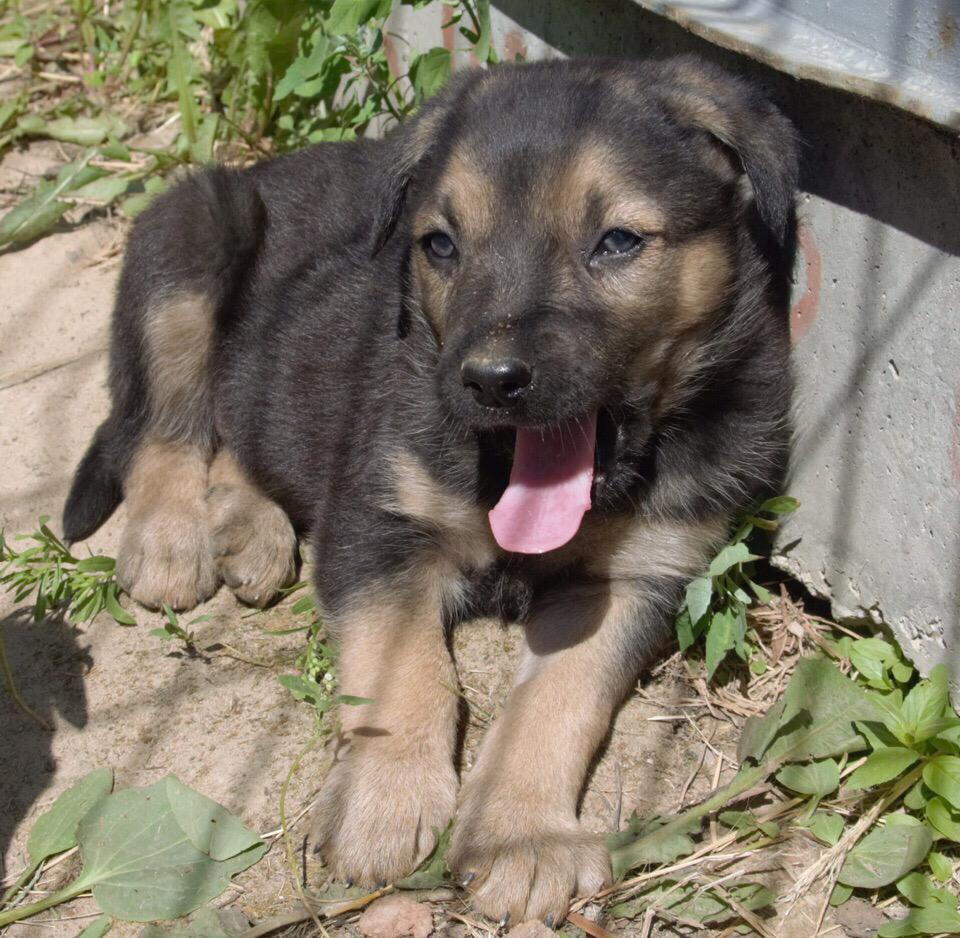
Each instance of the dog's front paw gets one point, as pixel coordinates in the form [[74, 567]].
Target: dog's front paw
[[517, 863], [377, 813], [166, 557], [253, 541]]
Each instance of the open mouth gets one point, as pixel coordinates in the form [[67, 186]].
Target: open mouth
[[551, 481]]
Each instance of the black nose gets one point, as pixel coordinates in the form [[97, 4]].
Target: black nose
[[496, 382]]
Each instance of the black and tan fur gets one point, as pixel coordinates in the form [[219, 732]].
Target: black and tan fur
[[285, 339]]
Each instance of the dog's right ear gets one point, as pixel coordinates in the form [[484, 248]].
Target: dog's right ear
[[410, 145]]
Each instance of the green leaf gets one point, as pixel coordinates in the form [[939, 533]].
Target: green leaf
[[84, 131], [885, 855], [926, 706], [729, 557], [935, 920], [111, 602], [816, 778], [942, 775], [429, 72], [140, 863], [882, 766], [781, 505], [433, 872], [96, 564], [135, 204], [827, 827], [41, 210], [210, 827], [56, 829], [941, 866], [98, 928], [347, 16], [33, 217], [944, 821], [919, 890], [685, 634], [820, 707], [721, 638], [759, 732], [351, 701], [105, 190], [840, 894], [698, 594]]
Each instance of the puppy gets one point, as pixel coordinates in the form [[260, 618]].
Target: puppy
[[527, 357]]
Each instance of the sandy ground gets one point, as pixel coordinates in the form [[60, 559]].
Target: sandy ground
[[116, 696]]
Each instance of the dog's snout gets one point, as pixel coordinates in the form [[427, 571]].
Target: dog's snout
[[496, 382]]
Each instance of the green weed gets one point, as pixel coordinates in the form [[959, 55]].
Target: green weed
[[241, 81], [715, 604], [49, 575]]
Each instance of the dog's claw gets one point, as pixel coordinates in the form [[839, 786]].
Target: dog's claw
[[382, 884], [548, 921], [503, 921], [468, 879], [348, 882]]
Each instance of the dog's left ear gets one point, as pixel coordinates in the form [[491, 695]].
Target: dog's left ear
[[736, 114], [409, 145]]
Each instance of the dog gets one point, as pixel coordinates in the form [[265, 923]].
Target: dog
[[528, 357]]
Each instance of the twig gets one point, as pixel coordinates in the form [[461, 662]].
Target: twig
[[285, 833], [18, 701], [828, 864]]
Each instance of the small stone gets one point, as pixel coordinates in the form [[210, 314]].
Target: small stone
[[396, 917]]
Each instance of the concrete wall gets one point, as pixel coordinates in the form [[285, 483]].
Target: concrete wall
[[875, 323]]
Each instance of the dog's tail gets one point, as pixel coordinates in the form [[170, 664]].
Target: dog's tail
[[96, 491], [185, 261]]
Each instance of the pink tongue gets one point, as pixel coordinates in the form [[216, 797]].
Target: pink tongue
[[549, 489]]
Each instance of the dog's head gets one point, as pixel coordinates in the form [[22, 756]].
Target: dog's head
[[573, 235]]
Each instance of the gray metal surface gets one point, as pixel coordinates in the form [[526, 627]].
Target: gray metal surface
[[904, 52], [875, 321]]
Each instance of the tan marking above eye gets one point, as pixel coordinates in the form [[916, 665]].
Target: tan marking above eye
[[470, 195], [594, 171]]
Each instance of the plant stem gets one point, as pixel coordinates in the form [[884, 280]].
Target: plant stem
[[287, 842], [25, 911], [625, 857], [24, 878], [15, 694]]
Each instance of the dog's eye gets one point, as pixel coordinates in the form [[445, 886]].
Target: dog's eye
[[440, 245], [617, 242]]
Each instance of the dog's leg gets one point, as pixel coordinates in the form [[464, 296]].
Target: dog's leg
[[165, 554], [253, 541], [517, 842], [392, 782]]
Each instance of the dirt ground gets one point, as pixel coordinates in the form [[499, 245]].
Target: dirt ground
[[117, 696]]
